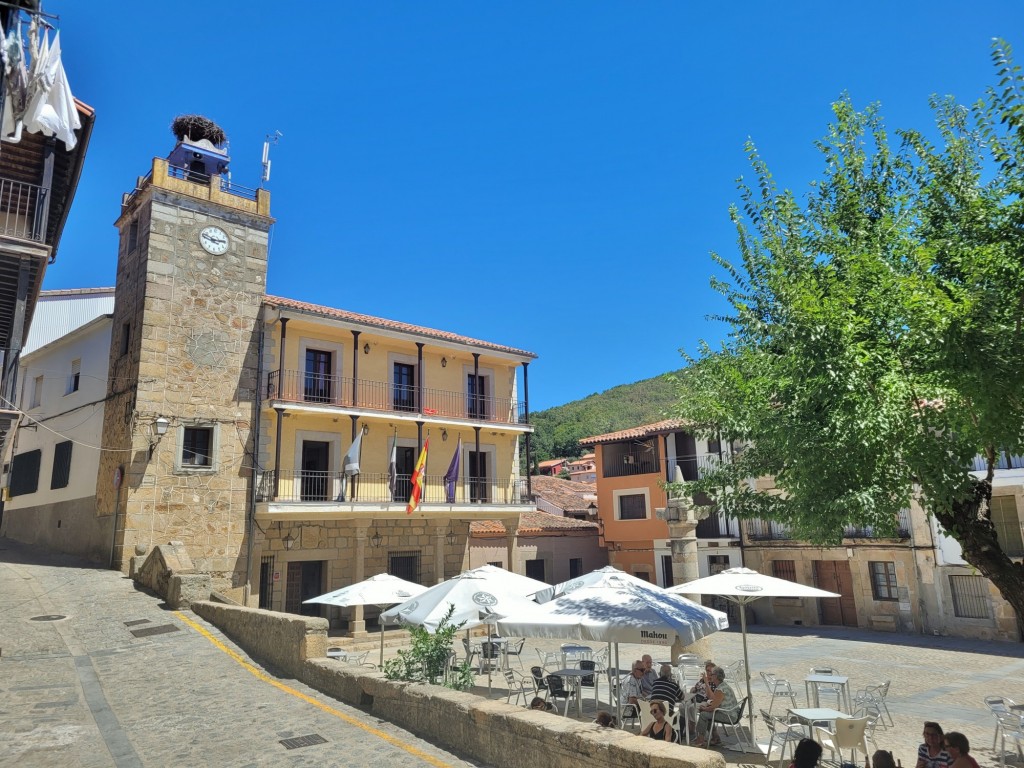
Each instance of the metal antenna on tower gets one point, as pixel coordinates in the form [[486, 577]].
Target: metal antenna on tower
[[271, 139]]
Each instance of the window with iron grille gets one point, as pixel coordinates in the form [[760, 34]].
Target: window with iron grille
[[1007, 525], [61, 473], [405, 565], [970, 597], [497, 564], [266, 582], [197, 447], [25, 473], [717, 564], [784, 569], [575, 567], [883, 581], [633, 506]]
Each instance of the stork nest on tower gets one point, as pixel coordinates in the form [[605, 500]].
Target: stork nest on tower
[[197, 128]]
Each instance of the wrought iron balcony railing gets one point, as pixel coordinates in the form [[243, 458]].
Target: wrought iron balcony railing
[[641, 462], [22, 210], [345, 392], [717, 526], [1003, 461], [291, 486], [769, 530]]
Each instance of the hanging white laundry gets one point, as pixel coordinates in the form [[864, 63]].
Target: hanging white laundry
[[17, 86], [51, 110]]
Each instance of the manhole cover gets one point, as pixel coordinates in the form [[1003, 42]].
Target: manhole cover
[[48, 617], [163, 629], [303, 741]]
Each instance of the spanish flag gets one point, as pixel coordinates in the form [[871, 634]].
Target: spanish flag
[[418, 477]]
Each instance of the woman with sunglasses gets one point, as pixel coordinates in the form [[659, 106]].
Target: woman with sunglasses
[[659, 729], [931, 754]]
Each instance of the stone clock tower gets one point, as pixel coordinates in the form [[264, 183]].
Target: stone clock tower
[[180, 412]]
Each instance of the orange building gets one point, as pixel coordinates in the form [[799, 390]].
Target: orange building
[[632, 465]]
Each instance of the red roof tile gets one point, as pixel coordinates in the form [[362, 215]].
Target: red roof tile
[[567, 495], [535, 522], [657, 428], [391, 325]]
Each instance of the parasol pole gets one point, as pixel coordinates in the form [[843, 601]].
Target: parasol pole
[[381, 622], [746, 668]]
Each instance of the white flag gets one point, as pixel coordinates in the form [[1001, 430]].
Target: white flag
[[350, 465]]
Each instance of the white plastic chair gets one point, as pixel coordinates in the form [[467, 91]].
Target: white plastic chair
[[848, 734]]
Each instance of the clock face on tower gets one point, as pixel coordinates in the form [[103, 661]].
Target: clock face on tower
[[214, 240]]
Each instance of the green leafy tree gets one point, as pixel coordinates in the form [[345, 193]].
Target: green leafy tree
[[875, 343]]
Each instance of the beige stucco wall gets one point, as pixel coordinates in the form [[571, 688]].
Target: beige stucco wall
[[555, 551]]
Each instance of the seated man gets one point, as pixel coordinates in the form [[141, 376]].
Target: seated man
[[666, 689], [632, 688], [722, 698], [647, 683]]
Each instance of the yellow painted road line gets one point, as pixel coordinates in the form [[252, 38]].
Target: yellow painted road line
[[309, 699]]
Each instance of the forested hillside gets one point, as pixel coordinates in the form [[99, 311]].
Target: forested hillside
[[559, 429]]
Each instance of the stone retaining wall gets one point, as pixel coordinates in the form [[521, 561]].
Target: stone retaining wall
[[281, 639], [493, 732]]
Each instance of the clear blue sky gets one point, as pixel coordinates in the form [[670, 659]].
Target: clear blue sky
[[548, 175]]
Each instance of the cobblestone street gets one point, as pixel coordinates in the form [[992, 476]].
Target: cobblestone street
[[85, 691]]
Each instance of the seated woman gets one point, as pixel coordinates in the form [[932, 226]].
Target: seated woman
[[704, 687], [659, 729], [723, 698], [665, 688], [958, 746], [931, 754]]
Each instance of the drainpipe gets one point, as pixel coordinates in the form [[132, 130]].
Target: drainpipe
[[355, 368], [255, 432], [419, 377], [526, 418], [279, 409]]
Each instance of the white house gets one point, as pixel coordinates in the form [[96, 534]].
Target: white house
[[63, 375]]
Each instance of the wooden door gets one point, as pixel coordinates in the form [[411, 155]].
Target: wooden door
[[835, 576]]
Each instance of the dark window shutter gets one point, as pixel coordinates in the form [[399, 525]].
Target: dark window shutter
[[25, 473], [61, 465]]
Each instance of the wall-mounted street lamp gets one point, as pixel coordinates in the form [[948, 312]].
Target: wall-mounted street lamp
[[157, 430], [289, 540], [366, 348], [376, 539], [450, 537], [444, 362]]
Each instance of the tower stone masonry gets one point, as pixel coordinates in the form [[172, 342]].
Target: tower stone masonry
[[191, 277]]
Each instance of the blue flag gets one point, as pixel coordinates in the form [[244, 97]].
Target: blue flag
[[451, 477]]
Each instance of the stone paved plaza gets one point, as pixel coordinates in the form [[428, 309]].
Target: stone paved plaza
[[86, 691], [933, 678]]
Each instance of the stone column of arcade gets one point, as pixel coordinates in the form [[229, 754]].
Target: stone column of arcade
[[357, 627], [682, 522]]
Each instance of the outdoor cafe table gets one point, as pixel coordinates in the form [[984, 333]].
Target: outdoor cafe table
[[813, 715], [571, 652], [811, 682], [577, 675]]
